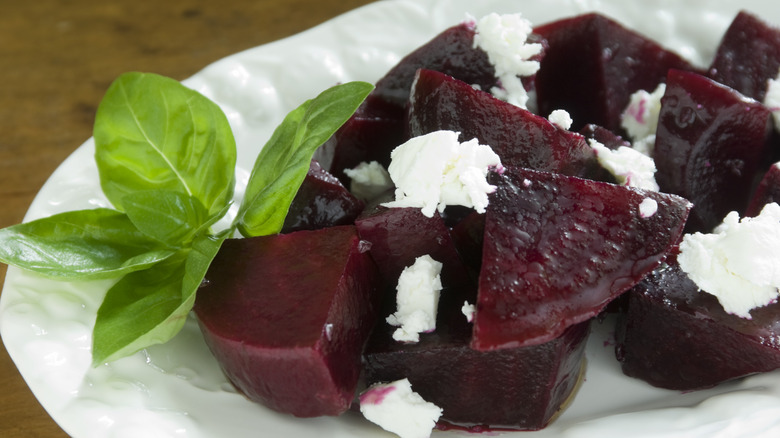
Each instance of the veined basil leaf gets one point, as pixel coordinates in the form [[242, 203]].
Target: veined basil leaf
[[152, 133], [80, 245], [150, 307], [172, 218], [283, 162]]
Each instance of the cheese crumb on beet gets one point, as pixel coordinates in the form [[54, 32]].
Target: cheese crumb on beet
[[738, 262], [468, 311], [561, 119], [629, 166], [435, 170], [648, 207], [505, 40], [772, 100], [417, 299], [640, 118], [397, 409], [368, 180]]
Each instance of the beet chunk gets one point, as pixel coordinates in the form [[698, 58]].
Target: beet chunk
[[322, 201], [710, 144], [287, 317], [768, 191], [519, 137], [748, 56], [558, 249], [675, 336], [594, 64]]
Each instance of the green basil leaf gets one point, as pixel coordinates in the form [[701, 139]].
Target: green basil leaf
[[152, 133], [150, 307], [80, 245], [169, 217], [284, 161]]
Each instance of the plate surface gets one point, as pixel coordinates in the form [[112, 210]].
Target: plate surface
[[177, 390]]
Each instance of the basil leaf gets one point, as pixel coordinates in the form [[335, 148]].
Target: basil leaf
[[284, 161], [152, 132], [169, 217], [80, 245], [150, 307]]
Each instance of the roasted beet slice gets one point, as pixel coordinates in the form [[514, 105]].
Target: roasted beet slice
[[675, 336], [710, 144], [322, 201], [768, 191], [287, 317], [518, 136], [558, 249], [748, 56], [397, 236], [593, 65]]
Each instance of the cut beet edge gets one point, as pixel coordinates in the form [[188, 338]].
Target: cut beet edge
[[558, 249], [287, 317]]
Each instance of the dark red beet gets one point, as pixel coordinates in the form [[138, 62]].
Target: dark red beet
[[399, 235], [287, 317], [467, 236], [558, 249], [518, 388], [748, 56], [675, 336], [594, 64], [710, 143], [768, 191], [604, 136], [322, 201], [518, 136]]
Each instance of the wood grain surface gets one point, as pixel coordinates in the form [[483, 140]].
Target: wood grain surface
[[57, 57]]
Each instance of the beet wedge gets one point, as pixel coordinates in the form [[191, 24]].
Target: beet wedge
[[558, 249], [287, 317], [675, 336], [711, 144], [518, 136]]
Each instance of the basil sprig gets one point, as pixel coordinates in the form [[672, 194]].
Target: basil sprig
[[166, 158]]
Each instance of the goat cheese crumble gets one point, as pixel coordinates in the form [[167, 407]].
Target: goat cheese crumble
[[505, 40], [772, 100], [640, 118], [399, 410], [368, 180], [561, 119], [738, 262], [435, 170], [417, 299], [629, 166]]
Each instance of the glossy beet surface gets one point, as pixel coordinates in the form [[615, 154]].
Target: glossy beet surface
[[518, 388], [558, 249], [518, 136], [592, 66], [677, 337], [710, 144], [322, 201], [748, 56], [287, 317]]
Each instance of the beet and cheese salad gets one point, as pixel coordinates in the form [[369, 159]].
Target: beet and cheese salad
[[432, 250]]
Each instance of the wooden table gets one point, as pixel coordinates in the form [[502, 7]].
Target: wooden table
[[56, 61]]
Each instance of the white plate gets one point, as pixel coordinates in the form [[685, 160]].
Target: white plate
[[177, 390]]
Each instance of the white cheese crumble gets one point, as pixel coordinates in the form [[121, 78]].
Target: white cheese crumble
[[629, 166], [468, 310], [561, 119], [417, 299], [772, 100], [738, 262], [505, 40], [368, 180], [640, 118], [648, 207], [397, 409], [435, 170]]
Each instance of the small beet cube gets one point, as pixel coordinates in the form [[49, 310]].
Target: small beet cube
[[675, 336], [558, 249], [594, 64], [711, 142], [768, 191], [322, 201], [748, 56], [519, 137], [287, 317]]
